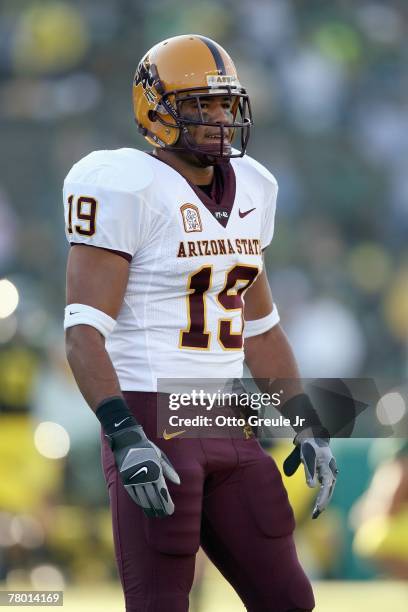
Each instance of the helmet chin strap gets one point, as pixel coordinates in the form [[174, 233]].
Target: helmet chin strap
[[206, 155]]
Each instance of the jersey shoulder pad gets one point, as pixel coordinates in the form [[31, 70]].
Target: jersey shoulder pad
[[127, 170], [255, 169]]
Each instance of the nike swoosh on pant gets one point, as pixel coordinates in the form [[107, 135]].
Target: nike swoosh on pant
[[169, 436]]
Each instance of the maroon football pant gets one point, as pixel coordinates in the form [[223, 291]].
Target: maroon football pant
[[231, 501]]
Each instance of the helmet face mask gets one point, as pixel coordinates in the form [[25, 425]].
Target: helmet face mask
[[173, 102], [162, 87]]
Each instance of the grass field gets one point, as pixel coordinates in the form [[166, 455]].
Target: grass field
[[218, 597], [330, 597]]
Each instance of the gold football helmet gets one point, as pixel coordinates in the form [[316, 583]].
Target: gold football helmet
[[188, 67]]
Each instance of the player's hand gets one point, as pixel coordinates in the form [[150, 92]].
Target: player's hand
[[320, 467], [142, 467]]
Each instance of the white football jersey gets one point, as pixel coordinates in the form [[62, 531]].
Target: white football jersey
[[189, 266]]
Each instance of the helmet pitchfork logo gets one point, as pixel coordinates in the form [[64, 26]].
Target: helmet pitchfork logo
[[191, 218], [147, 79]]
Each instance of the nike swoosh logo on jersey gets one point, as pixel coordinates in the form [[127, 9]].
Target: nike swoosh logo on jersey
[[246, 212], [169, 436], [142, 469], [120, 422], [76, 312]]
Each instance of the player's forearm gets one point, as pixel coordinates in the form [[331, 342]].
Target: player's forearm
[[269, 357], [91, 364]]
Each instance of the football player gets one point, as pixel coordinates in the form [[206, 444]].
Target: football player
[[164, 245]]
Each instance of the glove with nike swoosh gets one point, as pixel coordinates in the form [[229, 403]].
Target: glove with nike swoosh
[[142, 466], [313, 450]]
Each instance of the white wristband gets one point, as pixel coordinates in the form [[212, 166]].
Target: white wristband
[[259, 326], [81, 314]]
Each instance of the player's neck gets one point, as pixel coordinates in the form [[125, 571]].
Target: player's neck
[[194, 174]]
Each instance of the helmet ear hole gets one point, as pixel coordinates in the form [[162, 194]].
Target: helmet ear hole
[[152, 115]]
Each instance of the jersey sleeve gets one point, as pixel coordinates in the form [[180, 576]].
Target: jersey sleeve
[[265, 189], [268, 225], [105, 203]]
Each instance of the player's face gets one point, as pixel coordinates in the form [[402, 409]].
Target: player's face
[[214, 109]]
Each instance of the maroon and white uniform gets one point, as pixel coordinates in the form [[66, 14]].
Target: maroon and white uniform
[[191, 258]]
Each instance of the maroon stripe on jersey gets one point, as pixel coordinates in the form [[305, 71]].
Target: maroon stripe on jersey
[[222, 192], [223, 189], [126, 256]]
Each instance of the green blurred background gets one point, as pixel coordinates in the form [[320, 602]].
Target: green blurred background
[[329, 87]]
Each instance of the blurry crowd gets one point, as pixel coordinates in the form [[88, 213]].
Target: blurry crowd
[[329, 89]]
